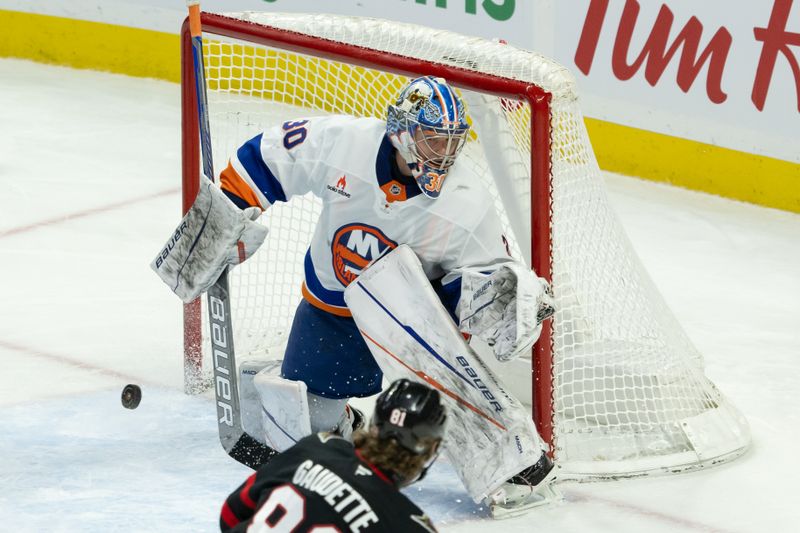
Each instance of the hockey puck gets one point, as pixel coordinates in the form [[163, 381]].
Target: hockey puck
[[131, 396]]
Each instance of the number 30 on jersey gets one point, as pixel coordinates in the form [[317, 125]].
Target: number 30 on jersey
[[296, 133]]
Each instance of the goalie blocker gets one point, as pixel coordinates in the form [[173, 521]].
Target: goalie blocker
[[491, 437]]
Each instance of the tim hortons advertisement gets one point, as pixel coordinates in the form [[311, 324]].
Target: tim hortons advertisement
[[704, 71], [699, 70]]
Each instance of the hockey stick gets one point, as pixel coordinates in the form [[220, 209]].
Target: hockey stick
[[238, 444]]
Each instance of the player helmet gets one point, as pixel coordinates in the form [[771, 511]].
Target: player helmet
[[411, 414], [428, 126]]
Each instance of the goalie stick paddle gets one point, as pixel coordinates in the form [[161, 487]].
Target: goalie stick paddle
[[238, 444]]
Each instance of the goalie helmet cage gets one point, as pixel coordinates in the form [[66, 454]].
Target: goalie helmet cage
[[618, 390]]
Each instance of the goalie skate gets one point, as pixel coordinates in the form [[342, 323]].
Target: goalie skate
[[518, 496]]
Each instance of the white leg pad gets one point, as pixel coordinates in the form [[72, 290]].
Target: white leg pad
[[490, 435], [284, 407], [250, 400]]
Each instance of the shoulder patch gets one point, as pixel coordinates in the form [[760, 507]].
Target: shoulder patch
[[363, 471]]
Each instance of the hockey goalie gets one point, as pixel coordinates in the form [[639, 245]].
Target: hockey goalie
[[408, 254]]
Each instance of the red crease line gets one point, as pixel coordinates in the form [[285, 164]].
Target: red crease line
[[86, 213]]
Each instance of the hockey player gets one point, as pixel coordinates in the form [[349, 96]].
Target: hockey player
[[324, 480], [383, 184]]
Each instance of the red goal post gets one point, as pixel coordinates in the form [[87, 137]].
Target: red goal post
[[589, 374]]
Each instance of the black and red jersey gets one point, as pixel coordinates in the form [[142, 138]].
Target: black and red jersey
[[320, 485]]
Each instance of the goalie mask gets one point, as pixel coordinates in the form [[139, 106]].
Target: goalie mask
[[428, 126]]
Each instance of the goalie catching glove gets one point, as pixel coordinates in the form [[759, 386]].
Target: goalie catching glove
[[213, 234], [505, 308]]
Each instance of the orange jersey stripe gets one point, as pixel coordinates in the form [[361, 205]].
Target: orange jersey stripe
[[231, 181], [319, 304]]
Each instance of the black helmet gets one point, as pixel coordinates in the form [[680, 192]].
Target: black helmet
[[412, 414]]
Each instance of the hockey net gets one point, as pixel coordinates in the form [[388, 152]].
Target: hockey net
[[617, 388]]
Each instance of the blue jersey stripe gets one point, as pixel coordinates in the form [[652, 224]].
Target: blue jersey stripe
[[249, 155], [449, 294], [238, 202], [335, 298]]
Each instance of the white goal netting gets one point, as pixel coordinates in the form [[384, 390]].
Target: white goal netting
[[629, 394]]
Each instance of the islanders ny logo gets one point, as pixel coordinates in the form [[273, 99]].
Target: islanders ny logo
[[354, 247]]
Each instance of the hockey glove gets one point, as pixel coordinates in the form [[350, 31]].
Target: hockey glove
[[505, 308], [213, 234]]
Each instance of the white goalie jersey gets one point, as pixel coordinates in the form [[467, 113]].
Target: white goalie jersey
[[368, 208]]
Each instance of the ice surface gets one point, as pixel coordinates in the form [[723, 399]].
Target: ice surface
[[89, 164]]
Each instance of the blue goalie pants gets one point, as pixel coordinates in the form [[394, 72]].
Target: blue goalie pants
[[328, 353]]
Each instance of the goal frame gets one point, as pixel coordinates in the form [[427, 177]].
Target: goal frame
[[541, 167]]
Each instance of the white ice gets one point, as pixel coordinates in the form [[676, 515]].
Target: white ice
[[89, 164]]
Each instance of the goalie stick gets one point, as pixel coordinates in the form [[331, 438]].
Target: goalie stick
[[236, 442]]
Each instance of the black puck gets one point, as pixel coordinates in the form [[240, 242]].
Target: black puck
[[131, 396]]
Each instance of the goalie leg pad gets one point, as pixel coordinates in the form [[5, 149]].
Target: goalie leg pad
[[285, 415], [490, 436], [278, 412], [250, 400]]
